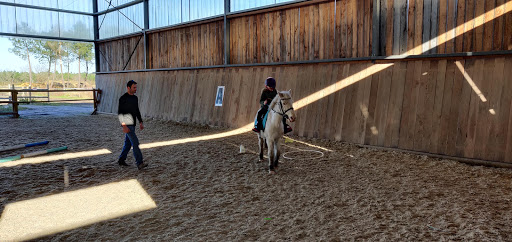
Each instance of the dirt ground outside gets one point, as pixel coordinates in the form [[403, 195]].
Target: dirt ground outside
[[208, 190]]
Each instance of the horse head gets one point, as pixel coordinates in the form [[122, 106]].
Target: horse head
[[284, 106]]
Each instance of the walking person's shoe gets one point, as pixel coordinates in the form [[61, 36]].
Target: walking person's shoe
[[255, 130], [141, 166], [122, 163]]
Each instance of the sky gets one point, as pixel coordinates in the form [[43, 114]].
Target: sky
[[11, 62]]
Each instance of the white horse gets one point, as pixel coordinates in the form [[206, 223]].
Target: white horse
[[281, 108]]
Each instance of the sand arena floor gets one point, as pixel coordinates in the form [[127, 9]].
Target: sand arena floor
[[207, 190]]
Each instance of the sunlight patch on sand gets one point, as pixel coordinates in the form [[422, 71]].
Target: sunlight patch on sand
[[34, 218]]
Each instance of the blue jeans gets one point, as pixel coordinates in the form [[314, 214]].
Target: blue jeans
[[129, 141]]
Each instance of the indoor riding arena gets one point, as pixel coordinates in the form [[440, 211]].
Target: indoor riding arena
[[402, 130]]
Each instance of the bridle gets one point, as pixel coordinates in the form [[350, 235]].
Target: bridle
[[282, 113]]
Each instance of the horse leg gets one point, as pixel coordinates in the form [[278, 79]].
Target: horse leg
[[277, 154], [260, 146], [270, 157]]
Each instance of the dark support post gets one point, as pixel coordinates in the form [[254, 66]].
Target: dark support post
[[226, 32], [96, 35], [14, 95], [146, 41], [376, 28]]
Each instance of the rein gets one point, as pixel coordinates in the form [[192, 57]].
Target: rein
[[285, 116]]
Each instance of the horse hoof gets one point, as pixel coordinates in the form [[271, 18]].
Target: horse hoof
[[271, 172]]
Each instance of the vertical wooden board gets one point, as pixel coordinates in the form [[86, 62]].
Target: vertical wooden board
[[367, 16], [421, 77], [469, 136], [498, 25], [332, 30], [468, 110], [496, 87], [411, 22], [270, 36], [451, 25], [502, 111], [324, 102], [332, 104], [434, 23], [343, 73], [296, 35], [352, 108], [416, 106], [337, 29], [483, 122], [322, 21], [344, 28], [240, 38], [441, 39], [346, 124], [506, 120], [395, 104], [198, 97], [193, 103], [430, 81], [408, 105], [350, 28], [287, 36], [383, 100], [507, 44], [427, 11], [403, 28], [314, 102], [302, 33], [489, 25], [446, 105], [397, 7], [438, 107], [257, 39], [450, 112], [418, 28], [304, 128], [246, 96], [459, 31], [370, 128], [469, 26], [360, 29], [317, 32], [232, 96], [363, 102], [277, 36], [319, 105], [389, 27], [478, 37]]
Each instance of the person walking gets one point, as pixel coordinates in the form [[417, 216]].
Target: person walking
[[128, 113]]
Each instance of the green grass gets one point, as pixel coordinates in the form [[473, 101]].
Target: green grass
[[8, 108]]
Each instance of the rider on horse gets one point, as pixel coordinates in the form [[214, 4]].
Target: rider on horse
[[267, 95]]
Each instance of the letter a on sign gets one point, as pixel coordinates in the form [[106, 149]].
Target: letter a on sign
[[220, 96]]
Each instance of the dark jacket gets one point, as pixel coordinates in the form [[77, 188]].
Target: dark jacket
[[129, 104], [267, 95]]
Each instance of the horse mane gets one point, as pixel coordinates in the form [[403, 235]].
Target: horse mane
[[274, 101]]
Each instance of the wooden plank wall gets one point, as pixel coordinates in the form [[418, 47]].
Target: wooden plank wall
[[199, 45], [444, 26], [335, 29], [458, 107], [327, 30], [115, 55]]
